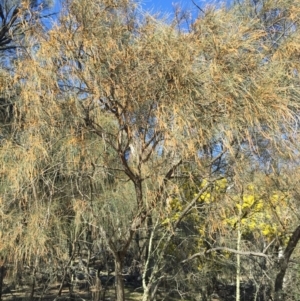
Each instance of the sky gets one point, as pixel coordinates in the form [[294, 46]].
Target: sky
[[155, 6], [152, 5], [164, 5], [164, 8]]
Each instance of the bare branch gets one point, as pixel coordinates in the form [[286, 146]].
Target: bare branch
[[245, 253]]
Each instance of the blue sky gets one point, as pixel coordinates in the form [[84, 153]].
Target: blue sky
[[165, 5], [154, 6], [162, 7]]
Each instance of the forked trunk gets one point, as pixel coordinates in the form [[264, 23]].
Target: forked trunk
[[150, 292]]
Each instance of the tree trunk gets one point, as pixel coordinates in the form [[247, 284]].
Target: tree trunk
[[238, 256], [278, 290], [33, 284], [119, 281], [150, 291], [146, 294], [2, 275], [96, 292]]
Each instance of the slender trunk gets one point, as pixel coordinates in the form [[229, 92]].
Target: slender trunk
[[2, 275], [66, 275], [148, 276], [105, 288], [284, 261], [97, 287], [119, 281], [146, 294], [150, 291], [88, 244], [33, 284], [238, 256], [238, 267], [37, 262]]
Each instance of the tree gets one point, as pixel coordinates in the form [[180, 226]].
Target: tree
[[16, 18], [116, 112]]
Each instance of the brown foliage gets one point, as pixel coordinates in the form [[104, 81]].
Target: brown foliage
[[110, 105]]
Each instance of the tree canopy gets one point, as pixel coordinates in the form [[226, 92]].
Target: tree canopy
[[134, 146]]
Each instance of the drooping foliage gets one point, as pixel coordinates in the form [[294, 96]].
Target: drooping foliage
[[123, 134]]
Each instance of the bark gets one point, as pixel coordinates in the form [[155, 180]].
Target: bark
[[238, 260], [33, 285], [2, 275], [149, 293], [146, 294], [147, 265], [97, 287], [66, 275], [278, 289], [119, 281]]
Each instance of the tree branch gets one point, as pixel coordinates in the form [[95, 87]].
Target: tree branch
[[245, 253]]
